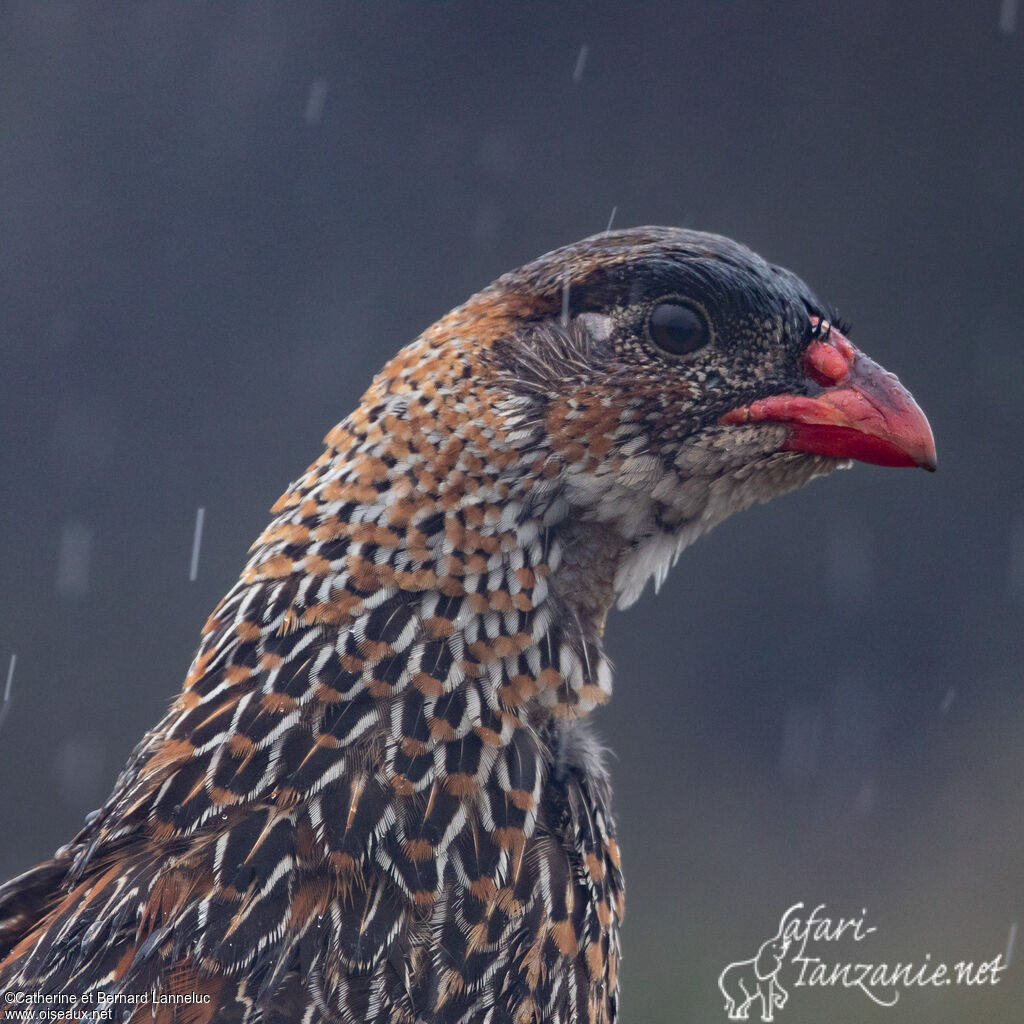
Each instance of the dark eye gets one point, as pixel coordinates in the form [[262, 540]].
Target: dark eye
[[678, 329]]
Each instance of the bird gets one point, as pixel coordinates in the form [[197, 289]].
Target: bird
[[379, 796]]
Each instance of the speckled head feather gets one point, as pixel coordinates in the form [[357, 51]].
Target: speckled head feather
[[377, 798]]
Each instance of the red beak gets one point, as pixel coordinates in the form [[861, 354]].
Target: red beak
[[862, 412]]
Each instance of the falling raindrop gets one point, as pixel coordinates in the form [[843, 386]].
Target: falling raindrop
[[1017, 559], [197, 540], [5, 704], [1008, 17], [581, 63], [74, 557], [315, 101], [947, 701]]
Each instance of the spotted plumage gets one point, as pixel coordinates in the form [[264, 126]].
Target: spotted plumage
[[378, 798]]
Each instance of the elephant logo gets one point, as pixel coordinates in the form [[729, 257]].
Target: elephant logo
[[746, 982]]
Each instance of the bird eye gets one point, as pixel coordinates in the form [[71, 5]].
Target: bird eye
[[678, 329]]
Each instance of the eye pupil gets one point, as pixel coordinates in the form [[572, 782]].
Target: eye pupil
[[678, 329]]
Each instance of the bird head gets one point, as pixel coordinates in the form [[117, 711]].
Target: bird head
[[674, 377]]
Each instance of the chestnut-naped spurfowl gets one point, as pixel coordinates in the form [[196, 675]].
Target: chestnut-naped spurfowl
[[378, 797]]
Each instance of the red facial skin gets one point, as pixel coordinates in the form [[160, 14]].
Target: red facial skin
[[863, 412]]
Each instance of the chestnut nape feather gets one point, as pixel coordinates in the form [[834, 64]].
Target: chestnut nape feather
[[378, 797]]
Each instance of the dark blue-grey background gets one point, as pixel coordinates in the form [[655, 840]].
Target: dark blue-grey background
[[217, 221]]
